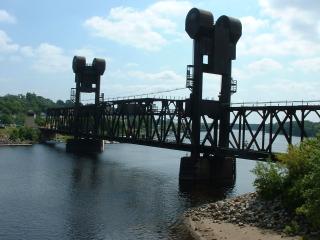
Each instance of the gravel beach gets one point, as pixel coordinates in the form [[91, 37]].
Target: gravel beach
[[245, 217]]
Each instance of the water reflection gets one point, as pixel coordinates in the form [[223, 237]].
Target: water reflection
[[204, 192], [127, 192], [85, 168]]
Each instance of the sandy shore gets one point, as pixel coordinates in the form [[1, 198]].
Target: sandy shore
[[206, 229], [246, 217]]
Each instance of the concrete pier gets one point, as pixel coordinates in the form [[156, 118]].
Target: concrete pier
[[46, 135], [85, 145], [213, 169]]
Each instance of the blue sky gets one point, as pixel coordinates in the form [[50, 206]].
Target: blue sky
[[147, 50]]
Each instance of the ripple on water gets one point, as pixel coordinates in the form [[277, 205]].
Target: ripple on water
[[127, 192]]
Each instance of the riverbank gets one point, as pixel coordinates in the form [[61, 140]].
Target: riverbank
[[246, 217], [19, 136], [14, 144], [4, 142]]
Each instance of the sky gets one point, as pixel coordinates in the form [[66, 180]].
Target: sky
[[146, 48]]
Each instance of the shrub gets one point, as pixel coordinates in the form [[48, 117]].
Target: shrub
[[270, 179], [23, 134], [14, 134], [295, 179], [311, 194]]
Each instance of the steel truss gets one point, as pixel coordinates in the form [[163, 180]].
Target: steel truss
[[167, 123]]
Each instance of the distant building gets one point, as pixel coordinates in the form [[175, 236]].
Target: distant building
[[30, 120]]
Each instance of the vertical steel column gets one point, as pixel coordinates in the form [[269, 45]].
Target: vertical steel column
[[225, 99], [76, 109], [179, 107], [196, 98], [97, 110]]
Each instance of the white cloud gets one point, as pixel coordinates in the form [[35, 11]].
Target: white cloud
[[270, 44], [293, 29], [145, 29], [140, 82], [27, 51], [6, 17], [308, 65], [45, 58], [132, 65], [297, 19], [251, 24], [283, 89], [50, 59], [261, 67], [166, 76], [6, 45], [264, 65]]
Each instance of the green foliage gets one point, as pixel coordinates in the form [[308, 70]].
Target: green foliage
[[292, 228], [6, 119], [23, 134], [270, 178], [311, 194], [295, 180], [63, 138], [14, 135], [13, 108], [40, 121]]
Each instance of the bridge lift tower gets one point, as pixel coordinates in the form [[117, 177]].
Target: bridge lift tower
[[87, 78], [217, 42]]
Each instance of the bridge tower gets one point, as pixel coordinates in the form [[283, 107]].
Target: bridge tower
[[218, 43], [87, 78]]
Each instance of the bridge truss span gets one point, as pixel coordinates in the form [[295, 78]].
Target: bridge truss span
[[166, 123], [148, 121], [258, 128]]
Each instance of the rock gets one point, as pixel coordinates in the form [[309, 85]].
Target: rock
[[248, 209], [195, 219]]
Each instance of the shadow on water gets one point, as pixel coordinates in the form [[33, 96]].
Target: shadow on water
[[199, 193], [84, 180], [196, 194]]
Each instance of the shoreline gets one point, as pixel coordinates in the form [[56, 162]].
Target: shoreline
[[245, 217], [15, 144], [205, 229]]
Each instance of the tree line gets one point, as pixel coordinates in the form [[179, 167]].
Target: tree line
[[310, 128], [13, 108]]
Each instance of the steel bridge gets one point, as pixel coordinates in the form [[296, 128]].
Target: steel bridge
[[205, 128], [167, 123]]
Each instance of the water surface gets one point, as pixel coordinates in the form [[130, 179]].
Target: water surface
[[127, 192]]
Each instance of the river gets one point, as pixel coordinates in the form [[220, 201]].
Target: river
[[127, 192]]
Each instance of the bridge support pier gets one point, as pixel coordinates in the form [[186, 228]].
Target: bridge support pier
[[85, 145], [46, 136], [218, 170]]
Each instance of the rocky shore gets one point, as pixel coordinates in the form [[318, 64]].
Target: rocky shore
[[4, 141], [250, 212]]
